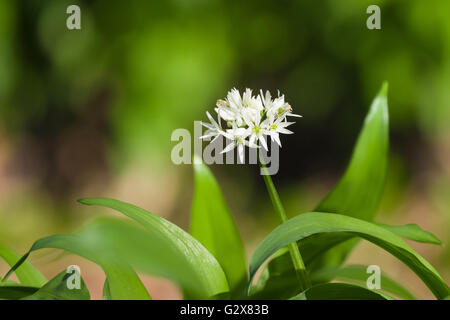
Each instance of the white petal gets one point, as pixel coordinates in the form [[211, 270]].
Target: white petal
[[263, 142], [252, 139], [261, 95], [257, 116], [214, 123], [265, 124], [279, 120], [241, 132], [207, 125], [234, 98], [227, 135], [239, 121], [268, 96], [206, 136], [215, 138], [276, 137], [247, 95], [254, 146], [226, 114], [229, 147], [256, 103], [241, 153], [285, 131], [284, 124], [278, 102], [248, 117]]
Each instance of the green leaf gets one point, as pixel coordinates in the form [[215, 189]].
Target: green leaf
[[338, 243], [16, 292], [7, 283], [210, 275], [213, 226], [357, 274], [339, 291], [27, 274], [412, 232], [106, 292], [358, 193], [148, 252], [124, 282], [278, 277], [315, 223], [314, 246], [58, 289]]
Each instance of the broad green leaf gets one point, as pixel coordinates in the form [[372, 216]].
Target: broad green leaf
[[315, 223], [213, 226], [336, 248], [311, 248], [148, 252], [339, 291], [124, 282], [58, 289], [357, 274], [16, 292], [358, 193], [277, 278], [27, 274], [212, 279]]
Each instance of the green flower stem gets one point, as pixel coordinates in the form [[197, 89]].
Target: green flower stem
[[296, 257]]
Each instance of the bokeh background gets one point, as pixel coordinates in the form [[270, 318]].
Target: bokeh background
[[90, 112]]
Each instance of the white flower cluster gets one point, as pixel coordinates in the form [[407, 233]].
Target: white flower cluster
[[249, 119]]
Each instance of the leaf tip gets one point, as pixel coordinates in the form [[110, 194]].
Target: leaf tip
[[84, 201], [384, 89]]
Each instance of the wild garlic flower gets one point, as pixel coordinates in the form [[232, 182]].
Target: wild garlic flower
[[248, 120]]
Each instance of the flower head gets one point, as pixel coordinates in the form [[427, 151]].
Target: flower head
[[249, 117]]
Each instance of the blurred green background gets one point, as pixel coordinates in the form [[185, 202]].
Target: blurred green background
[[90, 112]]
